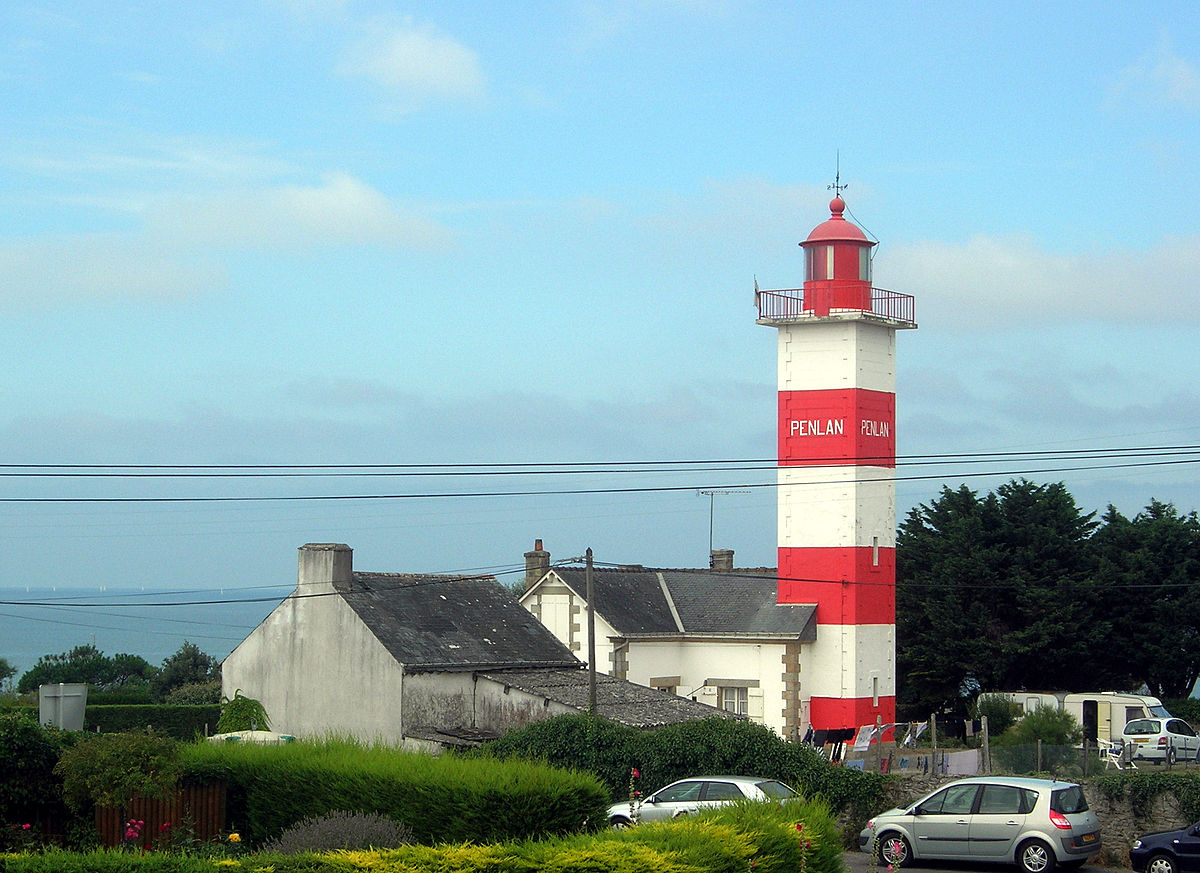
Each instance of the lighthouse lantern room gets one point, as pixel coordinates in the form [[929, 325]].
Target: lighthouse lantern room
[[836, 471]]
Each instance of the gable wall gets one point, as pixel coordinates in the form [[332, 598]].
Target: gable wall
[[557, 607], [317, 669]]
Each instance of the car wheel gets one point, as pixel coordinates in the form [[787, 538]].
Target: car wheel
[[1035, 856], [1161, 863], [619, 822], [894, 850]]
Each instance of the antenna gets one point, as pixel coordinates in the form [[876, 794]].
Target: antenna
[[711, 494], [837, 187]]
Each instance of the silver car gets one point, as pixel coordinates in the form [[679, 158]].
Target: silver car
[[691, 795], [1034, 823]]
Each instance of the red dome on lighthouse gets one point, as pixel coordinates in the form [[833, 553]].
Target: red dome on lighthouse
[[837, 228]]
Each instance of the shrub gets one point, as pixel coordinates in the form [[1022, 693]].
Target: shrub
[[195, 694], [341, 830], [1000, 712], [28, 753], [716, 745], [1056, 730], [270, 787], [109, 769], [240, 713]]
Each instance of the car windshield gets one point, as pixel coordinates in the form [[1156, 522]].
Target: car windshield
[[1141, 726], [776, 790], [1068, 800]]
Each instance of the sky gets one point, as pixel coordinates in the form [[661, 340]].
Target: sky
[[342, 237]]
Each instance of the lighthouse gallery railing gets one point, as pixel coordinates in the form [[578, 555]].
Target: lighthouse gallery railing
[[789, 303]]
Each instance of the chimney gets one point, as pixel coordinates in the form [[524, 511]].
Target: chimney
[[721, 560], [537, 564], [323, 565]]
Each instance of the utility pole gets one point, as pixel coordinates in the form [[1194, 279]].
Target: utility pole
[[591, 631]]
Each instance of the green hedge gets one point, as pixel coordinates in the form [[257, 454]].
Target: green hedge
[[709, 746], [440, 798], [180, 722], [765, 838]]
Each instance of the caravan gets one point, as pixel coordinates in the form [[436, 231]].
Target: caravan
[[1103, 714]]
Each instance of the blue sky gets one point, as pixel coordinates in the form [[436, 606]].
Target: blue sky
[[314, 232]]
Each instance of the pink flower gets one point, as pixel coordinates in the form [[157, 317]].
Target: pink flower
[[26, 827], [799, 826], [165, 826], [634, 773]]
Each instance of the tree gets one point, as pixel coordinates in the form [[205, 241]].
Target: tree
[[985, 587], [1148, 568], [87, 664], [188, 666], [7, 671]]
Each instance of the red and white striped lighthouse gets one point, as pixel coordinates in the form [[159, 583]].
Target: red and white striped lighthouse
[[837, 459]]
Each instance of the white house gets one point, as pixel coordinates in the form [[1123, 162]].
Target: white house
[[420, 660], [715, 636]]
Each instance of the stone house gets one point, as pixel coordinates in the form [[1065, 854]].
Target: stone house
[[419, 660], [715, 636]]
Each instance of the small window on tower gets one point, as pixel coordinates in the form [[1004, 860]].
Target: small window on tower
[[864, 264], [818, 262]]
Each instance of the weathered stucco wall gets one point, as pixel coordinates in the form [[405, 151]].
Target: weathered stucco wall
[[317, 670], [447, 700]]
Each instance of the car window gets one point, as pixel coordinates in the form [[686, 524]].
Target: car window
[[1178, 726], [955, 800], [775, 790], [722, 791], [1001, 799], [1068, 800], [1141, 727], [681, 792]]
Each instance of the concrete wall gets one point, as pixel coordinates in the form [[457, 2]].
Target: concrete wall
[[313, 664]]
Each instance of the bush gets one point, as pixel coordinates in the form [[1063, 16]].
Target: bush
[[240, 713], [716, 745], [196, 694], [270, 787], [1057, 731], [109, 769], [1000, 712], [341, 830]]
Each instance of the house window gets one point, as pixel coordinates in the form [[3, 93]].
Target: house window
[[733, 699]]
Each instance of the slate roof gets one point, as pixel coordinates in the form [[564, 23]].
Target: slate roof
[[616, 699], [707, 602], [452, 623]]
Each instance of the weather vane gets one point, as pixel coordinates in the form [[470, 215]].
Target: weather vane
[[837, 187]]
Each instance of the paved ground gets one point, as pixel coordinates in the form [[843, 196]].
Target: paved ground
[[860, 862]]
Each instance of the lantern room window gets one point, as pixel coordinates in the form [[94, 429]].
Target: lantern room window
[[818, 263], [864, 264]]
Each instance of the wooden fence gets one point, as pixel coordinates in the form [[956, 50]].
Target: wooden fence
[[197, 811]]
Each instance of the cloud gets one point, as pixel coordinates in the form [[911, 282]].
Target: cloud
[[993, 282], [1159, 79], [415, 62], [98, 268], [340, 211], [179, 251]]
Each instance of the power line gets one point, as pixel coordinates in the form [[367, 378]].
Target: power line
[[546, 492]]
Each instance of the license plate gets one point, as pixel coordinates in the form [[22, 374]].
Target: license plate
[[1089, 838], [1141, 739]]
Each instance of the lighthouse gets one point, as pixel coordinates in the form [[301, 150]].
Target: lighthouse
[[836, 471]]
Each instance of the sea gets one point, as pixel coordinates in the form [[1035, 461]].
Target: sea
[[152, 623]]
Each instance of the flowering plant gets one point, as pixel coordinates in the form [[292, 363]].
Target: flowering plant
[[635, 796]]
